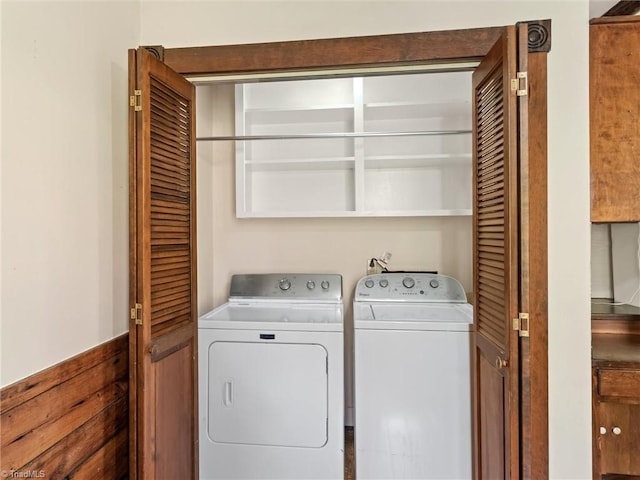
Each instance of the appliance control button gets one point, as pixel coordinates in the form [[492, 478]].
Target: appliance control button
[[311, 284], [384, 283], [285, 284], [434, 283], [369, 283], [325, 285], [408, 282]]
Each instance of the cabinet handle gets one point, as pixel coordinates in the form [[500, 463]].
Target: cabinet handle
[[616, 430], [603, 430]]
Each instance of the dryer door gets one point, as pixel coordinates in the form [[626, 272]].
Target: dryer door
[[267, 394]]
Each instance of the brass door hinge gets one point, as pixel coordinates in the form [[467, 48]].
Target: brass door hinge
[[521, 324], [135, 100], [136, 313], [520, 84]]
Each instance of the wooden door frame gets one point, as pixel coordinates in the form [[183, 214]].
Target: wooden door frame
[[429, 48]]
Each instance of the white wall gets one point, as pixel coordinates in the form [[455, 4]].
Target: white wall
[[194, 23], [601, 268], [64, 179], [1, 156]]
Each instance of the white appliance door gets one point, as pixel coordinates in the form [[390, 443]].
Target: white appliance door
[[272, 394], [413, 405]]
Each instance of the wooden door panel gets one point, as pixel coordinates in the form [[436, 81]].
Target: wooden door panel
[[163, 331], [496, 263], [173, 414], [491, 418]]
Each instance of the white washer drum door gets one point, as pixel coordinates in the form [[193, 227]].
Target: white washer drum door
[[272, 394]]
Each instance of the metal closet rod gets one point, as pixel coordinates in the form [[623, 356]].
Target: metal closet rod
[[332, 135]]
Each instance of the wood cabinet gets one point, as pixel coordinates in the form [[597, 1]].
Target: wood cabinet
[[614, 66], [616, 404], [391, 145]]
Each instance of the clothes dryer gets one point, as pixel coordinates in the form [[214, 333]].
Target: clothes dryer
[[271, 380]]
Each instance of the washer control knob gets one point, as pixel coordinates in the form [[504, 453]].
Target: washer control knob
[[369, 283], [603, 431], [285, 284], [434, 283], [325, 285], [384, 283], [616, 430], [311, 284], [408, 282]]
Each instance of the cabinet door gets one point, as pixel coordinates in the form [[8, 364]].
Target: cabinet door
[[620, 444], [614, 66]]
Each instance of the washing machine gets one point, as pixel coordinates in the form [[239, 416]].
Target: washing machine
[[412, 358], [271, 391]]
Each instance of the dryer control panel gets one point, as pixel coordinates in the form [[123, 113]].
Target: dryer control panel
[[306, 287], [410, 287]]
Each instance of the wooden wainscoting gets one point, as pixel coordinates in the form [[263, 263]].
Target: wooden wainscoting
[[71, 420]]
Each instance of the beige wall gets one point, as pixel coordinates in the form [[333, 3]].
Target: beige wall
[[64, 179]]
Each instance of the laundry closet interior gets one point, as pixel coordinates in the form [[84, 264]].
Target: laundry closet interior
[[322, 173]]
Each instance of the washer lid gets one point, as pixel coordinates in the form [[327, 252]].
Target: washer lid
[[275, 316], [413, 316]]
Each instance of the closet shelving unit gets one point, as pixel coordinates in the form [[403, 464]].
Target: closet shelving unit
[[394, 145]]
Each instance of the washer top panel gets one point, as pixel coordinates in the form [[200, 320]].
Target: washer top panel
[[409, 287], [450, 317], [297, 287]]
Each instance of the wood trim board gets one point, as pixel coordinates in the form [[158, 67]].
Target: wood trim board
[[332, 53], [70, 420]]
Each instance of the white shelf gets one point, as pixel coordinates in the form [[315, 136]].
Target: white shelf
[[337, 163], [351, 175], [300, 108], [393, 110], [353, 213], [417, 161]]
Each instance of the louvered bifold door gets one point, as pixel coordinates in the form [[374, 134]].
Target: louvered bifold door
[[495, 263], [163, 332]]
